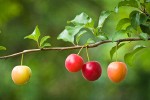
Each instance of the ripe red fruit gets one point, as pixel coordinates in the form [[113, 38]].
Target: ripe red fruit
[[91, 70], [74, 63], [117, 71]]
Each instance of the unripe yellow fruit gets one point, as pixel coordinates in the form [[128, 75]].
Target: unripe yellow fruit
[[21, 74]]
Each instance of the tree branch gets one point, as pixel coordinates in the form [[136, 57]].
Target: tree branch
[[70, 48]]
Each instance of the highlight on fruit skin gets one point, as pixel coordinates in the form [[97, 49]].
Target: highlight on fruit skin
[[117, 71], [21, 74]]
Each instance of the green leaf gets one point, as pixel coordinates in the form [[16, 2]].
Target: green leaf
[[131, 3], [45, 45], [128, 58], [130, 30], [97, 31], [79, 35], [135, 19], [102, 37], [114, 49], [119, 34], [44, 39], [145, 27], [69, 33], [35, 35], [90, 25], [90, 41], [2, 48], [144, 36], [138, 19], [122, 23], [103, 16], [143, 18], [81, 19]]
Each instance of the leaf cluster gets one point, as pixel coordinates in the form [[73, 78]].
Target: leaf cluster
[[35, 36], [137, 24], [79, 26]]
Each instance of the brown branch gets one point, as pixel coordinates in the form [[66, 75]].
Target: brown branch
[[70, 48]]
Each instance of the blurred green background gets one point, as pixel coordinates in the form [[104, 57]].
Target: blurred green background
[[50, 80]]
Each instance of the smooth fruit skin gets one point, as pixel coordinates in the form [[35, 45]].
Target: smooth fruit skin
[[21, 74], [91, 71], [74, 63], [117, 71]]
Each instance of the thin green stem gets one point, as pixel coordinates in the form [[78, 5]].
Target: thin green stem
[[87, 54], [21, 59], [38, 44], [80, 50], [117, 51]]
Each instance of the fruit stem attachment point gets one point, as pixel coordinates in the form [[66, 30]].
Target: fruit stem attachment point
[[87, 54], [21, 59], [80, 50]]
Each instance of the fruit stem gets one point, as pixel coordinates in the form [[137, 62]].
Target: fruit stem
[[87, 53], [116, 51], [80, 50], [21, 59]]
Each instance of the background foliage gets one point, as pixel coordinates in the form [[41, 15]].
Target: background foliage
[[50, 80]]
